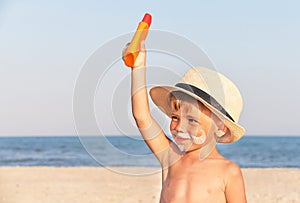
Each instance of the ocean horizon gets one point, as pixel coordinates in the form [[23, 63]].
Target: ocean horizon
[[113, 150]]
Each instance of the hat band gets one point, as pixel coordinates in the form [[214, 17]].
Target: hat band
[[206, 97]]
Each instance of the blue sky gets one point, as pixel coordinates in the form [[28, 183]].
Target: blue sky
[[44, 45]]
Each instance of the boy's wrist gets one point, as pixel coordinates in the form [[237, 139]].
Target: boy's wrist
[[138, 67]]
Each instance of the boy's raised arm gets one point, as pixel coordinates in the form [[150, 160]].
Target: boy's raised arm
[[149, 128]]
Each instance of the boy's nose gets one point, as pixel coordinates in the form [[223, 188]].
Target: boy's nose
[[180, 127]]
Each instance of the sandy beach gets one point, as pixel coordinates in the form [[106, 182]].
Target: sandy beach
[[97, 184]]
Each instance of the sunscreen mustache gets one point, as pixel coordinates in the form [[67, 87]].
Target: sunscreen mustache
[[196, 139], [181, 135]]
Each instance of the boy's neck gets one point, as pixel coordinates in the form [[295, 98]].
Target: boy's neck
[[205, 152]]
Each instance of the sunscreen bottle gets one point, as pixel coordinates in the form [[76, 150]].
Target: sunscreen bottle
[[140, 34]]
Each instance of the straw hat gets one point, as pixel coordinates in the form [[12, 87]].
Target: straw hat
[[214, 90]]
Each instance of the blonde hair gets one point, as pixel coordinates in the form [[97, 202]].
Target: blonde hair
[[176, 98]]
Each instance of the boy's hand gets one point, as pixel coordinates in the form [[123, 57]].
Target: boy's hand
[[140, 60]]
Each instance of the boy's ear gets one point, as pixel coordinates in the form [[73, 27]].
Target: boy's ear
[[226, 137], [219, 133], [226, 131], [219, 123], [222, 131]]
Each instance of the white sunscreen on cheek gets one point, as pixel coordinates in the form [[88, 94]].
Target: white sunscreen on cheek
[[199, 139]]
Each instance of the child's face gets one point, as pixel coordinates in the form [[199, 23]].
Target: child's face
[[190, 116]]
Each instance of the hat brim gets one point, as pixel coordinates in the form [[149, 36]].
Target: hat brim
[[160, 96]]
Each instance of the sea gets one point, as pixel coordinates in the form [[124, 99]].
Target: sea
[[69, 151]]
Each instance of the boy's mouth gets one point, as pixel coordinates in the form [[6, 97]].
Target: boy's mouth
[[180, 139]]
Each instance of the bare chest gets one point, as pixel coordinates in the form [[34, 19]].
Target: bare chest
[[189, 185]]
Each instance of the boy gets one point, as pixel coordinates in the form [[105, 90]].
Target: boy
[[192, 168]]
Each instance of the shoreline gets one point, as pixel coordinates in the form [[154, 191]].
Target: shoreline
[[20, 184]]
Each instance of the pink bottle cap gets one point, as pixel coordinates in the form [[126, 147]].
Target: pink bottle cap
[[147, 19]]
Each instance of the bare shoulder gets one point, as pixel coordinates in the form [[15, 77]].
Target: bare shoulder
[[234, 184], [228, 166], [233, 169]]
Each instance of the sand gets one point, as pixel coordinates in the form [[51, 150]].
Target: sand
[[97, 184]]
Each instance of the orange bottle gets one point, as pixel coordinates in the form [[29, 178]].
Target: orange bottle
[[140, 34]]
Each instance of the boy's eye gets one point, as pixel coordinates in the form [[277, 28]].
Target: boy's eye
[[191, 120]]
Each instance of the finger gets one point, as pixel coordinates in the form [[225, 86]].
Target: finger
[[125, 49], [142, 46]]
